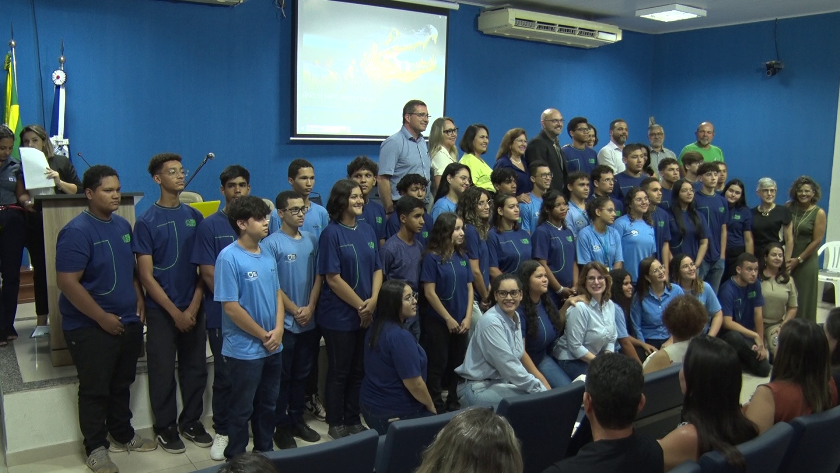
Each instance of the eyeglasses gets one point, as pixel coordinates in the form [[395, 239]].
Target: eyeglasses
[[555, 121], [410, 297], [768, 191], [688, 266], [659, 270], [547, 175], [659, 133], [483, 203], [295, 210], [175, 172], [520, 141], [505, 294], [450, 131], [582, 128], [641, 200], [595, 278], [421, 116]]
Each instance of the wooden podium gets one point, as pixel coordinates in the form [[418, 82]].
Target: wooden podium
[[57, 211]]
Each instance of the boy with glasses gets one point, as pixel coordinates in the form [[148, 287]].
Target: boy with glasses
[[579, 156], [301, 176], [529, 212]]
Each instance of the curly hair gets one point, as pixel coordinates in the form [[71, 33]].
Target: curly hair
[[467, 209], [805, 181], [685, 317]]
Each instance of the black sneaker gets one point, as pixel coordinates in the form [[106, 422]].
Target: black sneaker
[[283, 437], [305, 433], [170, 441], [197, 435], [355, 429], [337, 431]]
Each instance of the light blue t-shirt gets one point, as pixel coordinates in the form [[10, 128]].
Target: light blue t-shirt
[[314, 222], [638, 241], [295, 259], [710, 301], [600, 247], [576, 218], [444, 204], [251, 280], [529, 213]]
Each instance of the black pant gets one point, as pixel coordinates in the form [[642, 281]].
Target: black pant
[[732, 253], [12, 237], [106, 364], [221, 382], [312, 380], [163, 342], [38, 259], [346, 370], [445, 352], [743, 347], [299, 351]]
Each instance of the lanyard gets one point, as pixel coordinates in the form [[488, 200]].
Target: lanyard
[[605, 246]]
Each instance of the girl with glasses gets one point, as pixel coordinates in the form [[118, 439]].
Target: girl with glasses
[[638, 239], [653, 294], [599, 241], [683, 273]]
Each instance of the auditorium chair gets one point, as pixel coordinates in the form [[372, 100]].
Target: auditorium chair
[[663, 403], [187, 197], [401, 448], [687, 467], [814, 445], [763, 454]]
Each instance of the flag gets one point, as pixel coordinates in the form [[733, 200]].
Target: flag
[[58, 132], [12, 110]]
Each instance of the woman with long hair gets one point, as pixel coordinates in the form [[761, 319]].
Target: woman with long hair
[[653, 294], [808, 223], [684, 318], [349, 262], [553, 245], [710, 379], [508, 243], [599, 241], [395, 365], [683, 273], [622, 296], [541, 324], [454, 181], [442, 147], [801, 381], [739, 236], [447, 286], [646, 167], [512, 155], [590, 324], [593, 136], [779, 291], [474, 145], [474, 210], [689, 231], [771, 222], [495, 366], [638, 240]]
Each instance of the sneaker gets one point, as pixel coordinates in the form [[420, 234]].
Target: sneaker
[[217, 451], [314, 407], [305, 433], [283, 437], [355, 429], [137, 444], [337, 431], [100, 462], [197, 435], [170, 441]]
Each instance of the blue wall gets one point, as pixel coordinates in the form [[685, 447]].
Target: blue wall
[[146, 76]]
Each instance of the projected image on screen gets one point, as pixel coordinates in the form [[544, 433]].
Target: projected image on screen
[[357, 65]]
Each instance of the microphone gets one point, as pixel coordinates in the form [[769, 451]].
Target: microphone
[[83, 159], [210, 156]]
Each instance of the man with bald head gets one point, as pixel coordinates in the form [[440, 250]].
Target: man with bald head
[[612, 154], [705, 133], [546, 147]]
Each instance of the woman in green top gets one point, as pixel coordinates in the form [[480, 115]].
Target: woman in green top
[[808, 222], [474, 144]]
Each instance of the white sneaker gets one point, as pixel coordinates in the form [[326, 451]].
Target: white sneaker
[[217, 451]]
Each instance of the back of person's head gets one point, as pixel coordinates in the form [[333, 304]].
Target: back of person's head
[[803, 358], [614, 390], [685, 317], [691, 157], [248, 462], [832, 330], [474, 441]]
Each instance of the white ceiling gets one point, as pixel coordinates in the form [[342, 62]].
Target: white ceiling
[[622, 13]]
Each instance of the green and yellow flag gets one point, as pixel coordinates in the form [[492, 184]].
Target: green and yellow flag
[[12, 111]]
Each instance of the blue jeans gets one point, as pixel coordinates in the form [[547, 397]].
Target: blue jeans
[[255, 397], [555, 375], [711, 273], [299, 350], [221, 382], [486, 393], [574, 368], [380, 423]]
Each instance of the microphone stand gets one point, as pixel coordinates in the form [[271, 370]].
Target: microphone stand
[[203, 162]]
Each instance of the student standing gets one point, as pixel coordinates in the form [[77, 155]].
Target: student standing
[[509, 246], [246, 284], [714, 209], [363, 170], [554, 247], [454, 181], [577, 185], [603, 183], [579, 156], [411, 185], [659, 220], [103, 312], [474, 210], [739, 229], [13, 200], [669, 171], [302, 179], [689, 231], [600, 241], [164, 237], [632, 176], [529, 212], [638, 238]]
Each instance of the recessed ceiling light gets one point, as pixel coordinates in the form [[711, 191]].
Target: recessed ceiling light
[[672, 12]]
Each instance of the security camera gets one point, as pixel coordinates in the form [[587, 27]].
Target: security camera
[[773, 67]]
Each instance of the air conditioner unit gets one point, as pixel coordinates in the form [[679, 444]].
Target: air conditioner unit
[[227, 3], [546, 28]]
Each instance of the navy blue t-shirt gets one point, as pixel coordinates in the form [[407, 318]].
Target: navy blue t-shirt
[[690, 243], [539, 345], [508, 250], [477, 250], [557, 247], [624, 182], [452, 280], [392, 226], [740, 302], [214, 233], [373, 214], [661, 229], [740, 221], [583, 160], [402, 261], [715, 209], [168, 235], [102, 250], [667, 197], [397, 357]]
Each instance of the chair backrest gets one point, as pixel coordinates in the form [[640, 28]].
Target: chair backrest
[[315, 197], [687, 467], [353, 454], [269, 203], [406, 440], [543, 422], [187, 197], [763, 454], [831, 259], [814, 448], [663, 403]]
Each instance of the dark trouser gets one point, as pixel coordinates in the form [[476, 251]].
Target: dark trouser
[[346, 370], [299, 351], [38, 259], [312, 380], [380, 423], [106, 365], [655, 342], [732, 253], [221, 382], [257, 384], [743, 346], [163, 342], [574, 368], [445, 352], [12, 237]]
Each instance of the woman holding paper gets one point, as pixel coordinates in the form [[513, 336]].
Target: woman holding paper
[[62, 173]]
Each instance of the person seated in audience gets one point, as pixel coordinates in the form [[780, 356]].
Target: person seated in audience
[[739, 237], [684, 273], [577, 186], [685, 318], [710, 380], [363, 170], [742, 304], [691, 162], [801, 381], [612, 398], [638, 238], [553, 246], [509, 246], [511, 155], [443, 150], [653, 294], [474, 144], [529, 211], [659, 219], [579, 155], [412, 185], [493, 368], [603, 183], [622, 296], [590, 324], [633, 157], [779, 291], [395, 364], [832, 332], [689, 231], [541, 324], [474, 441], [474, 210], [249, 462], [453, 182], [669, 172], [600, 241], [504, 181]]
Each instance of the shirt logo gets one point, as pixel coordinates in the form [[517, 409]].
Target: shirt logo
[[721, 209], [251, 276], [750, 294], [291, 258], [591, 161], [425, 234], [618, 213], [12, 179], [634, 233], [190, 222], [371, 245], [379, 220], [570, 238], [524, 241], [736, 217], [463, 263], [596, 247], [580, 223], [126, 238]]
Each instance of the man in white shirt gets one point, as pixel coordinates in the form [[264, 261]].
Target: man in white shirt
[[610, 155]]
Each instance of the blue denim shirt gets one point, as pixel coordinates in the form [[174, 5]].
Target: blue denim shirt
[[647, 315]]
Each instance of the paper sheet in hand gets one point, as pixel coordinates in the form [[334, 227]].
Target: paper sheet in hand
[[34, 164]]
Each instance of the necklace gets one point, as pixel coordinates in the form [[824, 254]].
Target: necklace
[[797, 222], [517, 161], [767, 212]]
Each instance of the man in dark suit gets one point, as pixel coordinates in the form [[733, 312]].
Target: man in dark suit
[[546, 147]]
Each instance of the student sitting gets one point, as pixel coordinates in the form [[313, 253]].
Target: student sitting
[[684, 318], [684, 273], [622, 296], [364, 170], [653, 294], [454, 181], [412, 185]]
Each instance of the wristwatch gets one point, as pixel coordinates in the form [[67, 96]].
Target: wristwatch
[[560, 291], [799, 258]]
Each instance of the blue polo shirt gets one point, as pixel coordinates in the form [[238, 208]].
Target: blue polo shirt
[[667, 198], [397, 357], [373, 214], [709, 301], [740, 221], [314, 222], [688, 243], [402, 261], [295, 258], [539, 345], [392, 226], [583, 160], [576, 219], [507, 250], [214, 233], [661, 229], [600, 247], [452, 279], [529, 213], [715, 210], [638, 241], [646, 315], [444, 204], [624, 182], [401, 154], [168, 235], [352, 253], [101, 249], [477, 250], [740, 302], [557, 247]]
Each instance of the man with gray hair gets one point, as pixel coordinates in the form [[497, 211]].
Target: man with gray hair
[[658, 152], [705, 134], [546, 147]]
